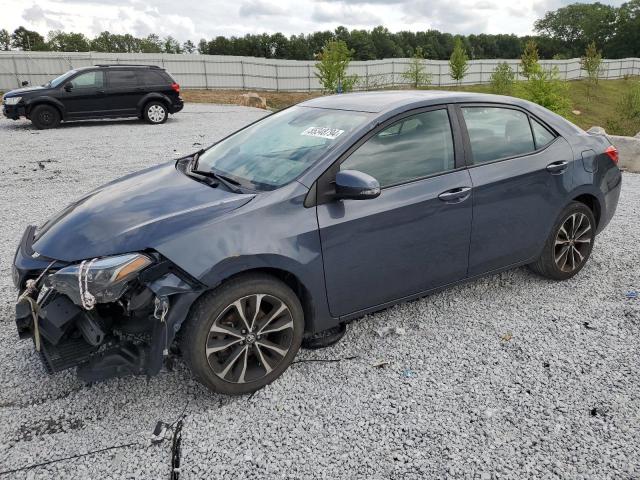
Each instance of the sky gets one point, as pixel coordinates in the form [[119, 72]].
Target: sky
[[195, 19]]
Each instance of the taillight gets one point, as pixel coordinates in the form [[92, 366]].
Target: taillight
[[175, 87], [612, 153]]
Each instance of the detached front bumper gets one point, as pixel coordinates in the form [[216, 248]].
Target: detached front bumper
[[125, 337], [14, 112]]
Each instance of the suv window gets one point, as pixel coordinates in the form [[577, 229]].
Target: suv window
[[412, 148], [122, 78], [497, 133], [89, 80], [541, 134], [151, 77]]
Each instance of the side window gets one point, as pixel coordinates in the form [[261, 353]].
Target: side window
[[88, 80], [151, 77], [122, 78], [414, 147], [541, 134], [497, 133]]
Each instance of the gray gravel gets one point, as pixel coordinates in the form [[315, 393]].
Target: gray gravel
[[511, 376]]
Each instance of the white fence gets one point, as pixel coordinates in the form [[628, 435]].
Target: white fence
[[252, 73]]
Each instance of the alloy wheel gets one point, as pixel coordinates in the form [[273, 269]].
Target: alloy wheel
[[156, 113], [573, 242], [250, 338]]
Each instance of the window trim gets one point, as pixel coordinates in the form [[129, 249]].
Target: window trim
[[325, 191], [467, 141]]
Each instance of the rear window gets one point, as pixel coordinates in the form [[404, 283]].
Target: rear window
[[152, 77], [122, 78], [496, 133]]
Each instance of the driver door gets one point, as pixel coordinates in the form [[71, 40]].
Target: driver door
[[84, 95], [415, 236]]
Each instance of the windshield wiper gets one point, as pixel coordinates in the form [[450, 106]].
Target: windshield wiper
[[230, 183]]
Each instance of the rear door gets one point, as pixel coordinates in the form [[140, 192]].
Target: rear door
[[123, 91], [84, 95], [415, 235], [521, 173]]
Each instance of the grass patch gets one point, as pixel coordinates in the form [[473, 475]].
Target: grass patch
[[598, 109]]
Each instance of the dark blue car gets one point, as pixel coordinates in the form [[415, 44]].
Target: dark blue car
[[280, 234]]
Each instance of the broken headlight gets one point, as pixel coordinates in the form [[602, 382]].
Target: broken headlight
[[101, 280]]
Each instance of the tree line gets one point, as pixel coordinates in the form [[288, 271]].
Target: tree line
[[561, 33]]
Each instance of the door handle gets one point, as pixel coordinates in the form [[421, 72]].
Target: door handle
[[100, 91], [455, 195], [557, 167]]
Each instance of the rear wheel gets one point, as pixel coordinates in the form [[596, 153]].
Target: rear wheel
[[243, 335], [155, 112], [45, 116], [569, 246]]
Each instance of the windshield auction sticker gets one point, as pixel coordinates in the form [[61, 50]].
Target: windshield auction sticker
[[323, 132]]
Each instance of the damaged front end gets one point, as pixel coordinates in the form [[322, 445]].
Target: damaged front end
[[109, 316]]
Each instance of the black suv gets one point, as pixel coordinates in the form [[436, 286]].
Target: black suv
[[102, 91]]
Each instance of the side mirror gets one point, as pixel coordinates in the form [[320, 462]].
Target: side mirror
[[68, 87], [355, 185], [24, 83]]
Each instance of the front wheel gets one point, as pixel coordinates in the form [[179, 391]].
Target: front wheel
[[243, 335], [569, 246], [45, 116]]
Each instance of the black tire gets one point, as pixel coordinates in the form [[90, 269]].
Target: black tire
[[155, 112], [45, 116], [257, 364], [576, 242]]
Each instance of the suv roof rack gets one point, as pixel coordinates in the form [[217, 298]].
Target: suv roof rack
[[126, 65]]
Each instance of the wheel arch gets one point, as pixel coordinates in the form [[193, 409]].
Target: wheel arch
[[593, 203], [45, 101], [288, 278], [154, 96]]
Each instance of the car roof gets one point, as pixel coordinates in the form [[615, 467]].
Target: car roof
[[118, 66], [387, 100]]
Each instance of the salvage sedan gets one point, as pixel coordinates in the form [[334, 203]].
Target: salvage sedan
[[283, 232]]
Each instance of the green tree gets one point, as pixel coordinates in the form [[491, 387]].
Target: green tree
[[188, 47], [151, 44], [24, 39], [332, 67], [579, 24], [5, 40], [503, 79], [459, 61], [416, 72], [67, 42], [591, 62], [171, 45], [529, 58], [626, 40], [545, 88]]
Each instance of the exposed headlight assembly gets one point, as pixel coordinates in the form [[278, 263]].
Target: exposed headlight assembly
[[11, 100], [101, 280]]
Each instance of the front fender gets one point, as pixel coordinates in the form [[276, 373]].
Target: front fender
[[30, 103]]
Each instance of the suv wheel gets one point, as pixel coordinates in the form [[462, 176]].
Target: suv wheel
[[243, 335], [45, 116], [155, 112], [569, 246]]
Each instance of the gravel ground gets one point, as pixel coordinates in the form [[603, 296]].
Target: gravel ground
[[511, 376]]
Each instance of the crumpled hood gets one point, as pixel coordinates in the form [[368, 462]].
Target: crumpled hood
[[133, 213], [19, 91]]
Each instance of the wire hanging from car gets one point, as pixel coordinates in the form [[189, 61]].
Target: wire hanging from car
[[88, 300]]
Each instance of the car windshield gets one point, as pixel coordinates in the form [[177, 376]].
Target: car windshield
[[274, 151], [59, 80]]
